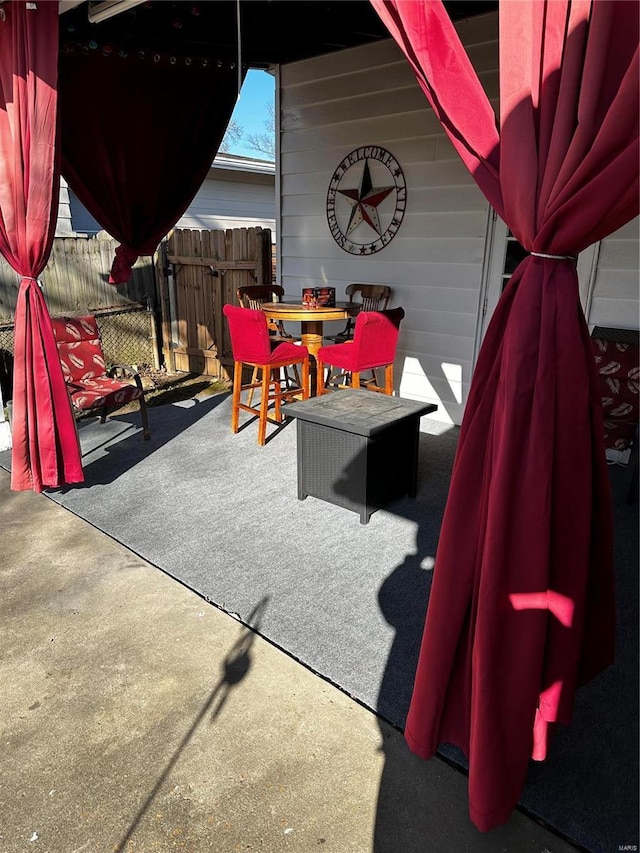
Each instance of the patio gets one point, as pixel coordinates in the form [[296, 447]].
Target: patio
[[345, 600], [157, 723]]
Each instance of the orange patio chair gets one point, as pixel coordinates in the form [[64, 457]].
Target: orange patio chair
[[251, 346], [255, 295], [373, 347]]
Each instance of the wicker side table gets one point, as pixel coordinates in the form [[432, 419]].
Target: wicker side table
[[358, 449]]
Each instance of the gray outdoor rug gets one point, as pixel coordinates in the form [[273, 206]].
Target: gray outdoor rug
[[347, 600]]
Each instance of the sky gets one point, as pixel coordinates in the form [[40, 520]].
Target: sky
[[250, 112]]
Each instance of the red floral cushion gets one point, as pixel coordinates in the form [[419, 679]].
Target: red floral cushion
[[102, 392], [79, 348], [83, 366], [620, 378]]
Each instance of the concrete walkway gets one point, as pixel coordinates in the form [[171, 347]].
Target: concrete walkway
[[134, 716]]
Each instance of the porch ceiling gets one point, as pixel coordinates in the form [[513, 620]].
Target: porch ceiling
[[273, 31]]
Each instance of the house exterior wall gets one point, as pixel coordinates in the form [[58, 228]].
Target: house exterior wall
[[233, 198], [330, 106], [614, 298], [64, 227], [435, 264], [238, 192]]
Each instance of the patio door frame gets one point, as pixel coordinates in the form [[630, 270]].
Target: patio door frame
[[494, 277]]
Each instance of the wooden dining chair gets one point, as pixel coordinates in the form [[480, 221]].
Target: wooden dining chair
[[375, 338], [253, 296], [251, 346], [369, 297]]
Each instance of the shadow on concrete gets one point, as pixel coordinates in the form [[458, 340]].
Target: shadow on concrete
[[235, 667]]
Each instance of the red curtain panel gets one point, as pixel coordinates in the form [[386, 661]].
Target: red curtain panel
[[521, 610], [138, 137], [45, 443]]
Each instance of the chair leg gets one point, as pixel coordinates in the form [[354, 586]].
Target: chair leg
[[388, 380], [277, 391], [631, 478], [306, 380], [235, 399], [355, 379], [103, 414], [319, 377], [296, 374], [146, 434], [290, 383], [254, 379], [264, 406]]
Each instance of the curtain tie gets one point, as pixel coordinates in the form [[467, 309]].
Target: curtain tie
[[38, 281], [573, 258]]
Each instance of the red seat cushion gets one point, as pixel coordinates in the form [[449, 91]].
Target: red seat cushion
[[289, 352], [102, 392]]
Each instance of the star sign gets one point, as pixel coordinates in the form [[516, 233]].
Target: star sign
[[361, 205], [364, 201]]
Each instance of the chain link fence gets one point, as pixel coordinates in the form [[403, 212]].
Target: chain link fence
[[129, 336]]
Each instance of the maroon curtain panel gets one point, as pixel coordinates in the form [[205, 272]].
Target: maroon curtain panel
[[521, 609], [138, 137], [45, 443]]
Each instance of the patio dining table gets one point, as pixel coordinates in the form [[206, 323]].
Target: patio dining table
[[311, 319]]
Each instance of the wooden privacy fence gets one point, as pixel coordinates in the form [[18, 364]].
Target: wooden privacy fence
[[76, 280], [198, 273], [128, 337], [192, 276]]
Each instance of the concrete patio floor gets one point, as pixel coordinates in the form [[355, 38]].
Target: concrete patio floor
[[137, 717]]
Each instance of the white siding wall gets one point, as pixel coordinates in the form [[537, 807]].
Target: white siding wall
[[234, 201], [226, 199], [615, 298], [333, 104], [64, 227]]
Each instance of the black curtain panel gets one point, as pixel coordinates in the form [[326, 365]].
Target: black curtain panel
[[139, 133]]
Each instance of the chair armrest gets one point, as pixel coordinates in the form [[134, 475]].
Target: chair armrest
[[127, 368]]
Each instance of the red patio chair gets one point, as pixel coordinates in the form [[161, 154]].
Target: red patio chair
[[90, 384], [255, 295], [251, 345], [373, 347]]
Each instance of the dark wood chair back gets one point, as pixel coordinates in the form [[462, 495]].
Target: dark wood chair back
[[370, 297], [255, 295]]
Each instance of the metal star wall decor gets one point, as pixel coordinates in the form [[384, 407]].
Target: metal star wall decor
[[373, 205]]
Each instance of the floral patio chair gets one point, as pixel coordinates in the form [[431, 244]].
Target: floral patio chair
[[90, 384]]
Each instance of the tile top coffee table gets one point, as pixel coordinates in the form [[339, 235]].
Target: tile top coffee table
[[358, 449]]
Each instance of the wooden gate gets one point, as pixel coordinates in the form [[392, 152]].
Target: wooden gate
[[199, 272]]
